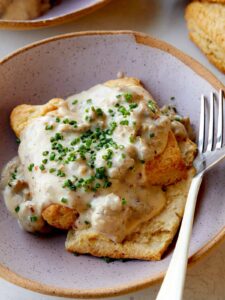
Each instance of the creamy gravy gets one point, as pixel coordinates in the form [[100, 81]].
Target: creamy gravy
[[89, 155]]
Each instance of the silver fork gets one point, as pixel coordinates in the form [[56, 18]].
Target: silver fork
[[210, 152]]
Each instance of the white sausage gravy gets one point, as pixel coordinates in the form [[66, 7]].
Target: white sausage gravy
[[90, 155]]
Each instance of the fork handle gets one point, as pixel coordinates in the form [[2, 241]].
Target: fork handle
[[173, 283]]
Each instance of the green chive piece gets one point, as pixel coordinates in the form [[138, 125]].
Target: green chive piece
[[75, 102], [33, 218], [64, 200], [61, 173], [151, 135], [42, 167], [132, 139], [30, 167], [107, 184], [124, 201], [151, 106], [17, 209], [100, 173], [124, 122], [52, 156], [128, 97], [99, 112], [48, 127], [178, 119], [133, 106]]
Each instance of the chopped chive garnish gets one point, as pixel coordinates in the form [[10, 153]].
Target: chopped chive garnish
[[179, 119], [45, 153], [107, 184], [44, 161], [151, 135], [60, 173], [13, 175], [64, 200], [100, 173], [42, 167], [69, 184], [97, 185], [66, 121], [128, 97], [132, 139], [109, 164], [124, 122], [17, 209], [52, 156], [52, 170], [111, 112], [99, 112], [18, 141], [124, 201], [30, 167], [133, 106], [123, 111], [33, 218], [75, 141], [48, 127], [151, 106], [75, 102]]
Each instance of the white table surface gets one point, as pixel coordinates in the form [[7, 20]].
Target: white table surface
[[164, 20]]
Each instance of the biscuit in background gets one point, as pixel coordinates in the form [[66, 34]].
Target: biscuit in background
[[206, 24]]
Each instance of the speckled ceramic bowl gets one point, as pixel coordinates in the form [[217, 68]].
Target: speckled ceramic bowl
[[68, 64], [66, 11]]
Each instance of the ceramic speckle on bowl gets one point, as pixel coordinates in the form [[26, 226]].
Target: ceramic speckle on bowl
[[68, 64], [64, 12]]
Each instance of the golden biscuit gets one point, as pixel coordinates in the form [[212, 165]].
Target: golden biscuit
[[22, 114], [168, 167], [206, 24], [59, 216], [152, 238], [149, 242]]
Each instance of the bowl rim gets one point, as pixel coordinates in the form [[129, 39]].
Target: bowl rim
[[36, 286], [37, 24]]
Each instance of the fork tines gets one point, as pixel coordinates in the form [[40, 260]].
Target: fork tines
[[211, 123]]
